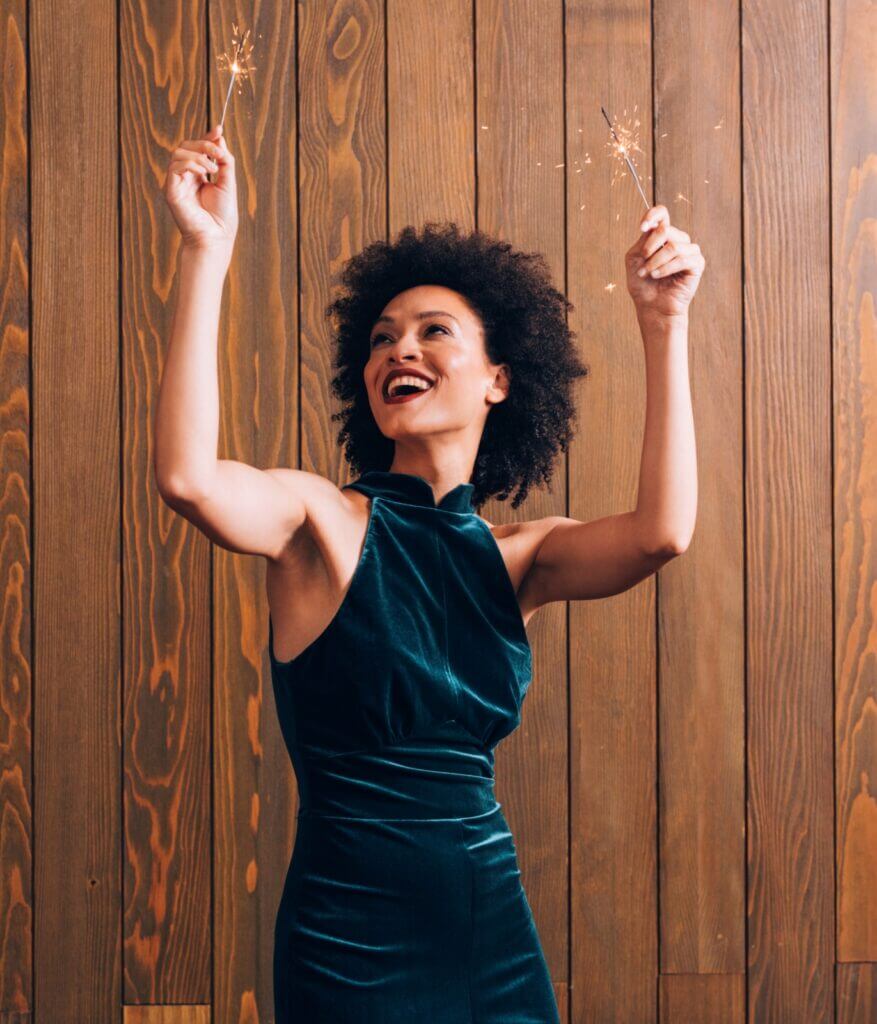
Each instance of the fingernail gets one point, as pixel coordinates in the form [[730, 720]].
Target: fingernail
[[641, 272]]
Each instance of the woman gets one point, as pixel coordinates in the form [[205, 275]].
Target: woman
[[396, 633]]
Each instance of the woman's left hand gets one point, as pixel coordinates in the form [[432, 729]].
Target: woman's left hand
[[677, 264]]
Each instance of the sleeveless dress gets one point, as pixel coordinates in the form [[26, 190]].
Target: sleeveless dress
[[403, 900]]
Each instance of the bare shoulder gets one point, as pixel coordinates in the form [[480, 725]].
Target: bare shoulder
[[519, 545]]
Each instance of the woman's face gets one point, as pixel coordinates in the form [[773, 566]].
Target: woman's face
[[430, 330]]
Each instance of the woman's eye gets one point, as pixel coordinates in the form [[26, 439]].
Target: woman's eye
[[378, 337]]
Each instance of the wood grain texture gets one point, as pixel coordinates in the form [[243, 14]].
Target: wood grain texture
[[787, 324], [166, 1015], [612, 641], [708, 998], [854, 284], [166, 606], [74, 153], [16, 617], [519, 139], [679, 814], [257, 357], [701, 657], [856, 993]]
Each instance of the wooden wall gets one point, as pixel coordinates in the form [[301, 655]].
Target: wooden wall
[[692, 788]]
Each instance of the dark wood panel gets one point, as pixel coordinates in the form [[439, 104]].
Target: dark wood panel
[[166, 606], [257, 363], [16, 654], [702, 842], [854, 271], [77, 643], [712, 998], [856, 993], [612, 641], [519, 134], [786, 269]]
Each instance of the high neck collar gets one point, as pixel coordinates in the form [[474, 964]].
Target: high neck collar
[[416, 490]]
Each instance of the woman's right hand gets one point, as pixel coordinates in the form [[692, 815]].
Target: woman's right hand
[[205, 212]]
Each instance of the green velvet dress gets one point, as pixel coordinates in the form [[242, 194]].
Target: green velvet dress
[[403, 901]]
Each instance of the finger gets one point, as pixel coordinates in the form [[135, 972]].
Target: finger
[[655, 216], [180, 167], [660, 236], [202, 158], [663, 256], [225, 160], [199, 146], [674, 266]]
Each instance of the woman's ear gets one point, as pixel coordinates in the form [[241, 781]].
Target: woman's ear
[[499, 389]]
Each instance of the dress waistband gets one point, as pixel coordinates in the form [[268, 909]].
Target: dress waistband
[[399, 781]]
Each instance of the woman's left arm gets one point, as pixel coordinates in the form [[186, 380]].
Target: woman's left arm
[[577, 560]]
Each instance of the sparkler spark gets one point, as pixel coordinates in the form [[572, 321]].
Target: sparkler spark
[[622, 148], [237, 61]]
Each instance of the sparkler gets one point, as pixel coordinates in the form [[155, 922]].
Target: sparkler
[[621, 149], [238, 64]]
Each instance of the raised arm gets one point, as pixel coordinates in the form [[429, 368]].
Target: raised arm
[[239, 507], [582, 560]]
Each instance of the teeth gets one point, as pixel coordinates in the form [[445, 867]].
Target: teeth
[[417, 382]]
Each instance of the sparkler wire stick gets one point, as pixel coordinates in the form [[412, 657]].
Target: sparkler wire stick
[[234, 67], [623, 152], [237, 62]]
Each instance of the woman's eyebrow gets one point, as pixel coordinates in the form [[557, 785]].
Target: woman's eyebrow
[[417, 316]]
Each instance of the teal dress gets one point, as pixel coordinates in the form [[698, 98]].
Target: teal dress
[[403, 901]]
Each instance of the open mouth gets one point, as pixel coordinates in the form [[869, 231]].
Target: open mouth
[[405, 389]]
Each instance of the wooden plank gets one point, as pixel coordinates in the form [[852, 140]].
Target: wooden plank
[[253, 807], [431, 110], [702, 852], [856, 993], [16, 653], [166, 1015], [854, 256], [788, 512], [519, 134], [77, 955], [717, 998], [612, 641], [166, 606]]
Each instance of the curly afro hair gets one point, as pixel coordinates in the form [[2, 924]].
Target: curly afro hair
[[524, 321]]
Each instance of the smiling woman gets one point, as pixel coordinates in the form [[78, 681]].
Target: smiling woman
[[485, 324]]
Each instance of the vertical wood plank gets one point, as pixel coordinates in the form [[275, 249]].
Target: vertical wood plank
[[854, 258], [519, 134], [612, 641], [702, 852], [788, 512], [342, 193], [856, 993], [16, 655], [708, 998], [257, 367], [77, 729], [166, 607], [431, 111]]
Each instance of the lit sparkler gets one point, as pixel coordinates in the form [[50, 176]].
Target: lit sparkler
[[238, 63], [624, 146]]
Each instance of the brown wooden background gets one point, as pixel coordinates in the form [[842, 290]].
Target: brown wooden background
[[693, 785]]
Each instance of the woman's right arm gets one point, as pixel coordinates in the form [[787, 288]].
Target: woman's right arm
[[238, 506]]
